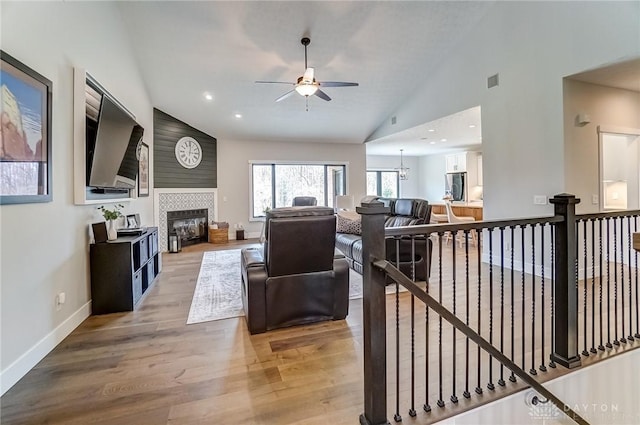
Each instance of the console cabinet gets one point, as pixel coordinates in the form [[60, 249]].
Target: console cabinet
[[123, 270]]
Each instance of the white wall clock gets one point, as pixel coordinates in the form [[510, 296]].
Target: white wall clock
[[188, 152]]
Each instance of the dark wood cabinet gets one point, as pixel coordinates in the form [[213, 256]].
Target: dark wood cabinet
[[123, 270]]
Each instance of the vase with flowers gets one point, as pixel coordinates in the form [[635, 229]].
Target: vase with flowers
[[110, 216]]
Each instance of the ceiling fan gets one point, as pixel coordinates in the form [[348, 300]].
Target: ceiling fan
[[307, 85]]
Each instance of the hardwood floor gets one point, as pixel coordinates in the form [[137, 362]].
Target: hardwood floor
[[150, 367]]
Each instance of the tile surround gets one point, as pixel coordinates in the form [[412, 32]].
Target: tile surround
[[182, 199]]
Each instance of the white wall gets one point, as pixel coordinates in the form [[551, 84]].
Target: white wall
[[44, 247], [532, 45], [606, 106], [432, 170], [409, 188], [233, 171]]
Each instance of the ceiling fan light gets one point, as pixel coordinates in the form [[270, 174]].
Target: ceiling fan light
[[306, 89]]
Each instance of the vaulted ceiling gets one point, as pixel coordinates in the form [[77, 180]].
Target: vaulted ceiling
[[188, 49]]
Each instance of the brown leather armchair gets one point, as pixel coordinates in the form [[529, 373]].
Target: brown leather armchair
[[297, 277]]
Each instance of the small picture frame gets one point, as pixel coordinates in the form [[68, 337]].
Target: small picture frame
[[132, 221], [143, 170]]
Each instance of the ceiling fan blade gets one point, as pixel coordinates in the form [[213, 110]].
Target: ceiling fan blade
[[286, 95], [322, 95], [272, 82], [308, 75], [337, 84]]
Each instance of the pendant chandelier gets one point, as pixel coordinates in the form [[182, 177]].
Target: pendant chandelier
[[403, 172]]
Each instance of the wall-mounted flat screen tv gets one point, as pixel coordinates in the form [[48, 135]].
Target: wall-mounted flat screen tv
[[111, 147]]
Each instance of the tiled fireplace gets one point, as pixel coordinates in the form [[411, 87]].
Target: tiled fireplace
[[181, 200]]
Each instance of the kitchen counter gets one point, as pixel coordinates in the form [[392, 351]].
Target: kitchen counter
[[460, 209]]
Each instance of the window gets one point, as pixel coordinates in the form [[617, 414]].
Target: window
[[275, 185], [383, 183]]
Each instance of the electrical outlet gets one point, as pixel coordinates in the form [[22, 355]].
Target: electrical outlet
[[540, 200], [60, 299], [594, 199]]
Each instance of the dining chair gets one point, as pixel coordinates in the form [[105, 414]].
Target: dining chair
[[460, 219]]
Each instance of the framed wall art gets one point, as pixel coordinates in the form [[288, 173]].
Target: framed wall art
[[25, 140], [143, 170]]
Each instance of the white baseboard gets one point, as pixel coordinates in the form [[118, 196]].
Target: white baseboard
[[19, 368]]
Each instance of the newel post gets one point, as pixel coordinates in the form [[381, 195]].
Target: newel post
[[374, 314], [565, 323]]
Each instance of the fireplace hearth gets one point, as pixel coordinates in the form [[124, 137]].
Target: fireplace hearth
[[189, 225]]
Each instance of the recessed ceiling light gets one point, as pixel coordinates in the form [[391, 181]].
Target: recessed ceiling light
[[208, 96], [432, 143], [472, 126], [431, 130], [238, 116], [443, 140]]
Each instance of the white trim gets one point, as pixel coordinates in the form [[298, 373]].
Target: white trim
[[618, 130], [280, 162], [19, 368]]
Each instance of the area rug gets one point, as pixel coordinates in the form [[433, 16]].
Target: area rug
[[218, 294]]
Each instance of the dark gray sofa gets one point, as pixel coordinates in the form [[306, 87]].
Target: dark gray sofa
[[404, 212]]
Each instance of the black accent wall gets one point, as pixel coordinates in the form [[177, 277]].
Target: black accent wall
[[167, 172]]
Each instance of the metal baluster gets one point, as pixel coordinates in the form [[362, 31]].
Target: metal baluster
[[552, 364], [512, 378], [635, 229], [630, 337], [453, 397], [533, 371], [412, 410], [622, 338], [522, 325], [490, 385], [577, 276], [427, 406], [466, 392], [501, 380], [615, 283], [608, 344], [397, 416], [600, 347], [479, 258], [585, 352], [542, 367], [593, 287], [440, 402]]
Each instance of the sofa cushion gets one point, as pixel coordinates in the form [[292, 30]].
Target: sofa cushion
[[348, 225], [345, 242], [398, 220], [404, 207]]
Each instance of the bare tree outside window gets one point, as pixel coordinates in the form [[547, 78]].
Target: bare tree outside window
[[383, 183], [275, 185]]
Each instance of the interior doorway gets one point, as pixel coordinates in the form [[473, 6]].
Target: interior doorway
[[619, 168]]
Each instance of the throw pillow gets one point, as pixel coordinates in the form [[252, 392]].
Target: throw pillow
[[347, 225]]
